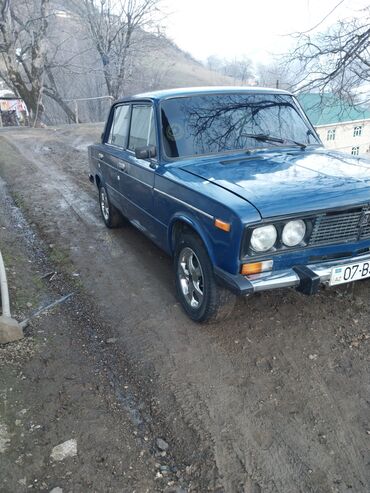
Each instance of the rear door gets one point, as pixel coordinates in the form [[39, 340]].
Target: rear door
[[114, 153], [137, 182]]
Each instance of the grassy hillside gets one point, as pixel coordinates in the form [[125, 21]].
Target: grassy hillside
[[165, 65]]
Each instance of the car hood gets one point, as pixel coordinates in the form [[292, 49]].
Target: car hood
[[289, 182]]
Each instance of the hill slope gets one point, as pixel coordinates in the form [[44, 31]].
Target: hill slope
[[165, 65]]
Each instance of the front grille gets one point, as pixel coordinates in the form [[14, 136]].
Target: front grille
[[343, 226], [365, 233]]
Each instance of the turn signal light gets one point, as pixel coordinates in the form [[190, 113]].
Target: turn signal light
[[222, 225], [256, 267]]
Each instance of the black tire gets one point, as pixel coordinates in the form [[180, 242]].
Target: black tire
[[110, 214], [215, 303]]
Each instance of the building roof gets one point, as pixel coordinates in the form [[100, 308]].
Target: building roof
[[327, 109], [187, 91]]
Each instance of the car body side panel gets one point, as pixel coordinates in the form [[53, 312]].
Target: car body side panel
[[181, 196]]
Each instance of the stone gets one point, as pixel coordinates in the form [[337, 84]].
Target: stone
[[10, 330], [63, 450], [264, 364], [161, 444], [111, 340], [175, 489], [56, 490]]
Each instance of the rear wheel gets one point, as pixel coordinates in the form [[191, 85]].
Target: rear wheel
[[201, 297], [110, 214]]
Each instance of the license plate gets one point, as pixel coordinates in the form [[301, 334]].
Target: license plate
[[350, 272]]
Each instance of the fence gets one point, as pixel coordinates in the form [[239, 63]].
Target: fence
[[14, 113], [89, 111]]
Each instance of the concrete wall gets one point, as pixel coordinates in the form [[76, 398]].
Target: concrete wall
[[344, 138]]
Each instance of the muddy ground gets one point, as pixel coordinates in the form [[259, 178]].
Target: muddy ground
[[275, 400], [58, 384]]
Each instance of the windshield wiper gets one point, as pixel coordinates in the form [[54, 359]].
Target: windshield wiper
[[270, 138], [291, 141]]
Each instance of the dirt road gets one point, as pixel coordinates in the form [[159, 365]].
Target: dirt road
[[276, 400], [53, 388]]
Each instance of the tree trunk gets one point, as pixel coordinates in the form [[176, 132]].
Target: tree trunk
[[67, 110]]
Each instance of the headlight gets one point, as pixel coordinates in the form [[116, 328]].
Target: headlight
[[263, 238], [293, 233]]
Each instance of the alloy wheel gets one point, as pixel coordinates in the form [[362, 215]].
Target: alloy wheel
[[104, 204], [191, 277]]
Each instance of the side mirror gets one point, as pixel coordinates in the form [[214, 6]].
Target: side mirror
[[145, 152]]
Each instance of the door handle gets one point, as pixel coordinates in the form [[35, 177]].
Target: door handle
[[100, 155], [122, 166]]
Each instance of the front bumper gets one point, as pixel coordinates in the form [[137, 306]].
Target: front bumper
[[305, 278]]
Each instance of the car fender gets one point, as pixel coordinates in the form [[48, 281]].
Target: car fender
[[194, 222], [98, 176]]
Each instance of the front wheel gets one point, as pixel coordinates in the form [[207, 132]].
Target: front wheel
[[200, 296]]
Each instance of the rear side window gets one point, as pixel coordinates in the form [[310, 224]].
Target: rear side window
[[142, 132], [119, 129]]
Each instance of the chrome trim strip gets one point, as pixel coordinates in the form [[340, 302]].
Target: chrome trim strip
[[118, 169], [184, 203], [137, 179], [114, 190], [288, 278], [120, 148]]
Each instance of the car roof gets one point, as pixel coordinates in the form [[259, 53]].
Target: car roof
[[189, 91]]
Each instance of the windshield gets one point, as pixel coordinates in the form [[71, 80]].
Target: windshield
[[224, 122]]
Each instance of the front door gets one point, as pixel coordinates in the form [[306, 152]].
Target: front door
[[137, 180]]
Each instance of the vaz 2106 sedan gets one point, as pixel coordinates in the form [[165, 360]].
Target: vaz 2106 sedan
[[236, 185]]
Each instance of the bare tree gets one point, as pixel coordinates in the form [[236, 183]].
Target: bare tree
[[214, 63], [337, 60], [114, 27], [22, 49], [28, 54], [275, 74], [240, 69]]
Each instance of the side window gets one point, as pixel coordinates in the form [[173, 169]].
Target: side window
[[119, 129], [142, 131]]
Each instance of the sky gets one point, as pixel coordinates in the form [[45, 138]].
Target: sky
[[256, 29]]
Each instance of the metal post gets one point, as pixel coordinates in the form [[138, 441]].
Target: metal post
[[10, 329], [76, 109], [4, 289]]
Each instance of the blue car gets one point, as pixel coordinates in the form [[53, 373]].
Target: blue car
[[235, 185]]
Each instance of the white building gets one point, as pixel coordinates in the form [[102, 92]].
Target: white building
[[340, 126]]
